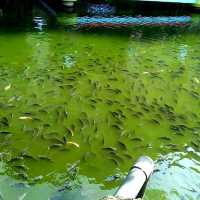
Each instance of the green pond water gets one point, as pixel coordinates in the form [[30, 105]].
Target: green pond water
[[78, 107]]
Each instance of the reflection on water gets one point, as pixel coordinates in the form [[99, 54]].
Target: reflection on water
[[183, 52], [13, 189], [176, 170], [39, 23], [77, 108], [177, 176], [133, 21]]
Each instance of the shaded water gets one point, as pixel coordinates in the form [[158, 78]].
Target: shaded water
[[78, 107]]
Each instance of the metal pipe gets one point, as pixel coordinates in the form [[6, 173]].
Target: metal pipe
[[135, 183]]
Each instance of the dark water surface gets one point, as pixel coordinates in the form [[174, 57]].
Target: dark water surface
[[78, 107]]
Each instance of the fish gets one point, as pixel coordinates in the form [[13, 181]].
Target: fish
[[165, 138], [194, 94], [92, 106], [22, 175], [194, 144], [109, 102], [64, 139], [70, 131], [69, 86], [115, 155], [128, 156], [158, 116], [15, 159], [137, 98], [21, 167], [113, 178], [25, 118], [38, 178], [58, 80], [137, 139], [114, 161], [145, 109], [169, 107], [115, 114], [82, 123], [194, 115], [95, 129], [179, 133], [5, 132], [43, 157], [36, 105], [43, 111], [171, 145], [54, 140], [179, 127], [175, 149], [36, 119], [72, 168], [103, 141], [182, 117], [122, 146], [14, 98], [71, 78], [116, 91], [112, 79], [196, 80], [137, 114], [50, 92], [46, 125], [56, 145], [65, 114], [73, 143], [154, 121], [93, 101], [6, 106], [7, 87], [117, 126], [124, 133], [4, 121], [109, 148], [28, 156]]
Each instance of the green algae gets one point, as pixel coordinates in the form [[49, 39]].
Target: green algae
[[89, 103]]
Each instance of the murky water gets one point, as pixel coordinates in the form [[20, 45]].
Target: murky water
[[78, 107]]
